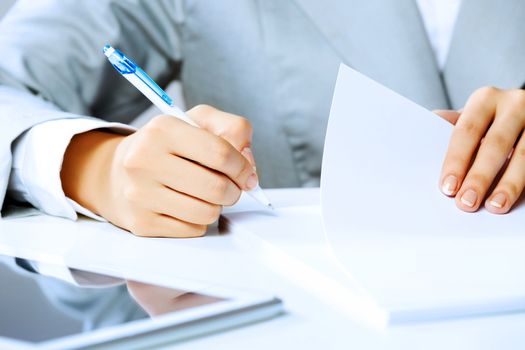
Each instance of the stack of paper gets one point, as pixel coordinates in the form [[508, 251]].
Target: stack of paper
[[407, 253]]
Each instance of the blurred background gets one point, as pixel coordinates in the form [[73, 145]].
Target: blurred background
[[5, 5], [174, 89]]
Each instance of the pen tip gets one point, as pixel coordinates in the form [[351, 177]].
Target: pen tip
[[271, 206]]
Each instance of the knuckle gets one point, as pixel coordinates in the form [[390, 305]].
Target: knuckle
[[219, 186], [234, 198], [159, 122], [133, 194], [203, 109], [454, 161], [155, 127], [198, 231], [211, 213], [477, 180], [469, 127], [517, 98], [486, 92], [191, 231], [243, 172], [519, 153], [497, 141], [243, 124], [511, 188], [222, 153], [133, 161]]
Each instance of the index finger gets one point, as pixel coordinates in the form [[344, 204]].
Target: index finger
[[468, 132], [201, 146]]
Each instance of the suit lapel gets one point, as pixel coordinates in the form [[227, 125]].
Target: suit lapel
[[385, 40], [488, 48]]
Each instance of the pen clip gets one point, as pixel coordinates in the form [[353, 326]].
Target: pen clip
[[124, 65]]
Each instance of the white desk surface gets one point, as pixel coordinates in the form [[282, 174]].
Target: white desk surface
[[308, 324]]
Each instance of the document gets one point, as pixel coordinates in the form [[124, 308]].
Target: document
[[396, 237], [391, 227]]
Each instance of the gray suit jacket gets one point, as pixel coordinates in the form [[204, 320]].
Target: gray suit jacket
[[273, 61]]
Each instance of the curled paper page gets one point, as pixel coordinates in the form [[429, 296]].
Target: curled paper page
[[392, 229]]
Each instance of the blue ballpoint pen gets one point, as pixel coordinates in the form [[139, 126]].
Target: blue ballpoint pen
[[143, 82]]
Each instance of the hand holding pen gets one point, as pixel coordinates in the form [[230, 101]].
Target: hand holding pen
[[169, 178], [138, 78]]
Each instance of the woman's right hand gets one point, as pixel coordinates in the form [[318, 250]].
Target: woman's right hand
[[168, 179]]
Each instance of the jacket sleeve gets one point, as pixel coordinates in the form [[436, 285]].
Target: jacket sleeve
[[52, 65]]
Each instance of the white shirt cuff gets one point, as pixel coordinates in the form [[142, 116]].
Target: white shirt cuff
[[37, 161]]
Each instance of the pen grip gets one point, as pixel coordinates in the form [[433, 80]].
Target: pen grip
[[178, 113]]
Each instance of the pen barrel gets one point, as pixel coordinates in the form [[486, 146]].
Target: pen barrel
[[158, 102]]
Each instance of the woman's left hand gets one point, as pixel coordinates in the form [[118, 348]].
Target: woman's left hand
[[487, 139]]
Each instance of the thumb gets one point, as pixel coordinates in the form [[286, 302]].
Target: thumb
[[450, 116]]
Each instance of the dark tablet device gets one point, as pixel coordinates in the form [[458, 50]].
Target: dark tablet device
[[88, 310]]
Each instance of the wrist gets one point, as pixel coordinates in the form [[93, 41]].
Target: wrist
[[86, 168]]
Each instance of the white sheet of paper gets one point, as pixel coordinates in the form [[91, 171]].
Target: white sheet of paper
[[291, 242], [104, 248], [388, 223]]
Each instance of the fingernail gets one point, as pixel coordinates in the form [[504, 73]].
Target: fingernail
[[469, 198], [449, 185], [252, 181], [247, 153], [498, 201]]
